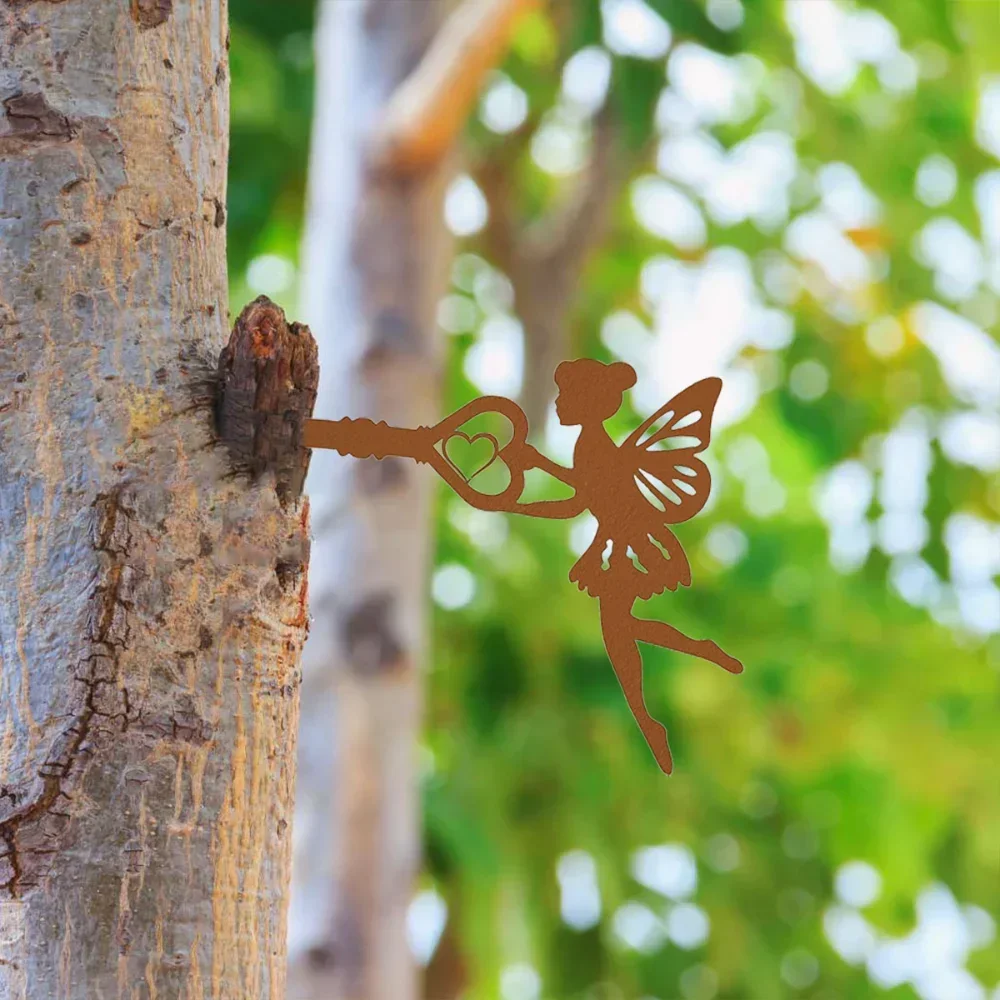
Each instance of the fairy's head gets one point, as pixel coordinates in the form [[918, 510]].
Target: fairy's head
[[590, 391]]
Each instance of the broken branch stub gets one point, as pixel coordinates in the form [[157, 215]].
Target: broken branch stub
[[268, 377]]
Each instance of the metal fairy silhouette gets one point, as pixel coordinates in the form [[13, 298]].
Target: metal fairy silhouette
[[635, 490]]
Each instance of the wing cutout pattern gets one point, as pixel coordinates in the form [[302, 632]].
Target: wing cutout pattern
[[665, 464]]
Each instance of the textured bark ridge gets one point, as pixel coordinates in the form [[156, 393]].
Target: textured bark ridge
[[153, 604], [268, 376]]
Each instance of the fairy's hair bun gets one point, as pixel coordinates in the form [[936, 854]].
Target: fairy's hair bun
[[598, 387], [622, 375], [616, 377]]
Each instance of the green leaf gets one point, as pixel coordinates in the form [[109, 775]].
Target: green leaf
[[636, 88], [687, 19]]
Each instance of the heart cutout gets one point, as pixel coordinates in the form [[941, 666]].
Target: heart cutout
[[476, 454]]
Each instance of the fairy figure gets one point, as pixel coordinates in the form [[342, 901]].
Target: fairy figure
[[635, 491]]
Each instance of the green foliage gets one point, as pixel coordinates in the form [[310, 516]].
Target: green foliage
[[271, 65], [864, 727]]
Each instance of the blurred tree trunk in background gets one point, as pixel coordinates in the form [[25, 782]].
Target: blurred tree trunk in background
[[394, 87], [376, 258], [153, 604]]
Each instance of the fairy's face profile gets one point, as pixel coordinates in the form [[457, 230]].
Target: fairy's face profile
[[590, 391], [569, 408]]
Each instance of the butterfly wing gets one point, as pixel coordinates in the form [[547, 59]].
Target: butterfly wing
[[666, 467]]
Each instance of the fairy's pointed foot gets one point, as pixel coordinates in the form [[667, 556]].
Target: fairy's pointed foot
[[718, 655], [657, 740], [731, 664]]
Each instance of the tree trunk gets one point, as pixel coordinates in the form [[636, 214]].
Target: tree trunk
[[376, 258], [153, 598]]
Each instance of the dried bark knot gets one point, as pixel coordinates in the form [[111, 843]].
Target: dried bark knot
[[268, 376]]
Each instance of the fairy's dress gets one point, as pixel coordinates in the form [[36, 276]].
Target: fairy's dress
[[645, 557], [638, 488]]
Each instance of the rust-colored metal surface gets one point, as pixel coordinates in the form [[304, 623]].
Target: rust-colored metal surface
[[635, 490]]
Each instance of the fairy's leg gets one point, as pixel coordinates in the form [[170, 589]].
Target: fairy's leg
[[616, 624], [661, 634]]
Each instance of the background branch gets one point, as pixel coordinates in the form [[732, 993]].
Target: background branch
[[432, 105], [545, 261]]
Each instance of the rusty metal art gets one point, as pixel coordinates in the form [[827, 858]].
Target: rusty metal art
[[635, 491]]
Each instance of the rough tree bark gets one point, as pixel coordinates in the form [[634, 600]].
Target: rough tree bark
[[152, 604], [394, 87]]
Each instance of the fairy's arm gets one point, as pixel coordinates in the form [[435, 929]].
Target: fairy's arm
[[566, 507], [540, 461], [557, 509]]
